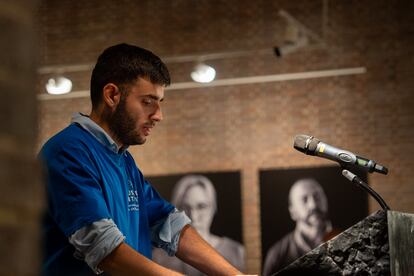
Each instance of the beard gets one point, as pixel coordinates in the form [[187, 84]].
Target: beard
[[123, 126], [316, 217]]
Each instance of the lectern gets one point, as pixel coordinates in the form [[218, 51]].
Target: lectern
[[381, 244]]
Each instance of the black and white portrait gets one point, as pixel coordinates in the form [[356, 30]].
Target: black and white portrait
[[302, 208], [212, 202]]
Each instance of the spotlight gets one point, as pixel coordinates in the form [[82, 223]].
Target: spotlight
[[289, 47], [203, 73], [296, 36], [58, 85]]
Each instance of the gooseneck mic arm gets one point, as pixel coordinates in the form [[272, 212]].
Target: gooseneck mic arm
[[356, 180]]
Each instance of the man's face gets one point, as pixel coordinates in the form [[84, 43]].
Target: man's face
[[308, 203], [137, 113], [198, 207]]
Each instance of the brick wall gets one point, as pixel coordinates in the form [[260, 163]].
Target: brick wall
[[251, 127]]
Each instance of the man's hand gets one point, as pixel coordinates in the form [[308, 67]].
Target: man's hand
[[195, 251], [124, 260]]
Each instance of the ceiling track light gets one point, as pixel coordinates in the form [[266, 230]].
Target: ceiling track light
[[203, 73], [58, 85], [296, 36]]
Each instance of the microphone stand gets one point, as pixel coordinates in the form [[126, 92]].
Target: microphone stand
[[361, 184]]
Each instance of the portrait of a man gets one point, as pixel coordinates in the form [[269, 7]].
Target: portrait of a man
[[313, 215], [308, 207], [197, 196]]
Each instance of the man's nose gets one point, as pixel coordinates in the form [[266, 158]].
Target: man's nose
[[157, 115], [311, 202]]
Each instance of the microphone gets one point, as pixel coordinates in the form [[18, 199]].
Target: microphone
[[312, 146]]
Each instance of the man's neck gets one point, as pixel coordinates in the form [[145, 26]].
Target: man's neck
[[308, 237], [98, 118]]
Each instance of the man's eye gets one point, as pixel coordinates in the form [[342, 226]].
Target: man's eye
[[202, 206], [147, 101]]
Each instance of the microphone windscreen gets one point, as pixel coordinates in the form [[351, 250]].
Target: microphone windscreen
[[306, 144], [300, 142]]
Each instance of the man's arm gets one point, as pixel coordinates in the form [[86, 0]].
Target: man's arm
[[124, 260], [194, 250]]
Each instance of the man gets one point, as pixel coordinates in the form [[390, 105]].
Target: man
[[102, 215], [195, 194], [308, 207]]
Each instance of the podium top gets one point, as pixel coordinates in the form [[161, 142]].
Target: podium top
[[362, 247]]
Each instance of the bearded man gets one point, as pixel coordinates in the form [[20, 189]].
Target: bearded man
[[102, 215], [308, 207]]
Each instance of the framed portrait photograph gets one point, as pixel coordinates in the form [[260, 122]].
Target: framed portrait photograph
[[304, 207], [213, 203]]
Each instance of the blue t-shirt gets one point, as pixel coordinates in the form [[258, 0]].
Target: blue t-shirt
[[87, 182]]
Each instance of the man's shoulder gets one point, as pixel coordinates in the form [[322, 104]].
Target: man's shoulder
[[69, 132], [278, 255], [71, 135], [282, 244]]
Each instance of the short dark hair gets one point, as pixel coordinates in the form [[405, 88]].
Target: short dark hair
[[122, 64]]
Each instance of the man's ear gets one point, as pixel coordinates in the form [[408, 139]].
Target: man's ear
[[111, 95], [292, 213]]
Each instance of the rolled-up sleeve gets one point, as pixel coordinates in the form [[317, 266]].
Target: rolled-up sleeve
[[166, 232], [96, 241]]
